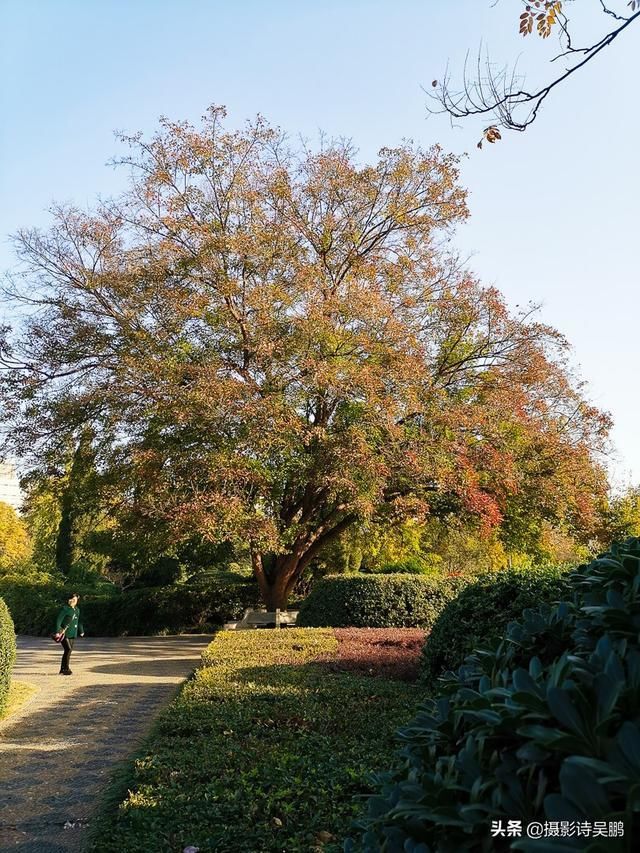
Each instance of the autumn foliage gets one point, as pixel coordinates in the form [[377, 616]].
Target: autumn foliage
[[272, 344], [541, 14]]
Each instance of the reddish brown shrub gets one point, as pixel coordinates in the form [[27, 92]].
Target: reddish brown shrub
[[384, 652]]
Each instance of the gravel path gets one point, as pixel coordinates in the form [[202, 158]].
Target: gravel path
[[61, 749]]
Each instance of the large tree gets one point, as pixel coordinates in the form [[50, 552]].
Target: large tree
[[273, 343]]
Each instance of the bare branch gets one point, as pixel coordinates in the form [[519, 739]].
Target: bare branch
[[496, 92]]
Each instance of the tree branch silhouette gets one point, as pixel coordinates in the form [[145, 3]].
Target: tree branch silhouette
[[500, 92]]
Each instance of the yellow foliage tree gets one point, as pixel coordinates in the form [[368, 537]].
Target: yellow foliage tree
[[15, 544]]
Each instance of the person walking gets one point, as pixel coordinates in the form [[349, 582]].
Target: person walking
[[69, 621]]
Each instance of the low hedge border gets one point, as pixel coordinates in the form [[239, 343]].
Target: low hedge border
[[377, 601], [263, 749]]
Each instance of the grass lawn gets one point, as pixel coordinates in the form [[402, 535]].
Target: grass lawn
[[19, 693], [266, 747]]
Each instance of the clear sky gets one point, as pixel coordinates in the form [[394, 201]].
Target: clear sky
[[554, 210]]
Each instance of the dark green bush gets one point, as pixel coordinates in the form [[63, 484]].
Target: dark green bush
[[376, 601], [34, 600], [479, 615], [7, 653], [173, 609], [544, 727]]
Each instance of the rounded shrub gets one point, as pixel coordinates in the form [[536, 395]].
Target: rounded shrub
[[376, 601], [544, 727], [7, 652], [479, 615]]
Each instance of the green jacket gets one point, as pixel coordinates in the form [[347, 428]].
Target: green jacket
[[70, 616]]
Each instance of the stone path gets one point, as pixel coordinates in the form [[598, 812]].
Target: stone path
[[60, 750]]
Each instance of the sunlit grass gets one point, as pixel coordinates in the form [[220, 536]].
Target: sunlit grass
[[19, 693]]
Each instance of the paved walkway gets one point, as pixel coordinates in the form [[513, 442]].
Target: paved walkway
[[60, 750]]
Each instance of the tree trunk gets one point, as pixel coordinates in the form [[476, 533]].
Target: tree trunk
[[276, 578], [277, 574], [276, 598], [64, 538]]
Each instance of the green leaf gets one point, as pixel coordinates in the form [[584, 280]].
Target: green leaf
[[548, 737], [522, 681], [528, 700], [615, 599], [582, 788], [533, 753], [605, 772], [563, 709], [628, 739], [607, 690], [557, 807], [535, 667], [633, 798], [486, 715]]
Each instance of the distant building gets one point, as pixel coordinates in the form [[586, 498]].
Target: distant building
[[10, 486]]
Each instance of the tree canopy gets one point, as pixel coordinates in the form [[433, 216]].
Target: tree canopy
[[269, 343]]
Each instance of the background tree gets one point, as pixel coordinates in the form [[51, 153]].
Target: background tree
[[271, 345], [15, 545], [501, 92], [66, 502], [42, 520], [620, 517]]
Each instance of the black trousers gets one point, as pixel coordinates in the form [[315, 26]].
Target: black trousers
[[67, 645]]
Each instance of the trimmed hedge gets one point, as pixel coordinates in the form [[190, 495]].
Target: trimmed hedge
[[544, 727], [479, 615], [7, 653], [262, 751], [171, 610], [34, 601], [376, 601]]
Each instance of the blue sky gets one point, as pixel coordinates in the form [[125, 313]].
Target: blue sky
[[554, 210]]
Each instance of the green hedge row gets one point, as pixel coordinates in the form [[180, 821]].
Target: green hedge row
[[7, 653], [479, 615], [543, 727], [34, 601], [168, 609], [262, 751], [377, 601]]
